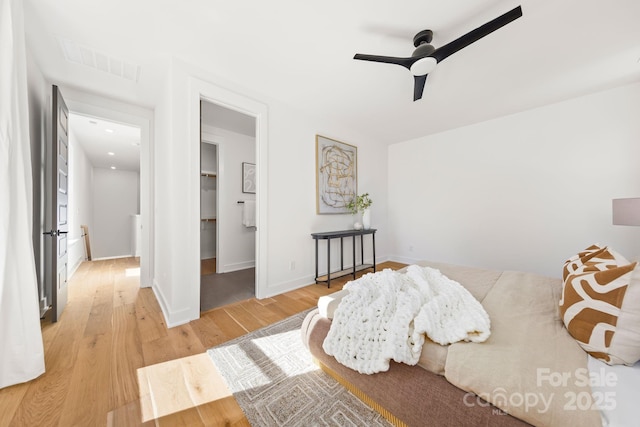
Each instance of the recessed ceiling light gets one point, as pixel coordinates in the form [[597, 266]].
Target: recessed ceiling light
[[113, 167], [111, 153], [109, 130]]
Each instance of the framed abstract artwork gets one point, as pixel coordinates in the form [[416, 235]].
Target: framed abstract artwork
[[248, 178], [336, 175]]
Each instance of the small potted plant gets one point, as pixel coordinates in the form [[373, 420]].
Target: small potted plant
[[361, 203]]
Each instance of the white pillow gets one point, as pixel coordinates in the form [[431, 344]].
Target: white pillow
[[327, 304]]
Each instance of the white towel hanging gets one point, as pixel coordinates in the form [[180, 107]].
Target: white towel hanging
[[249, 213]]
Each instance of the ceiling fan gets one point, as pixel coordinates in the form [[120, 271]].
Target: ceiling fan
[[425, 57]]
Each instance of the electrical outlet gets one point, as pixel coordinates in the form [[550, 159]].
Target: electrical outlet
[[292, 265]]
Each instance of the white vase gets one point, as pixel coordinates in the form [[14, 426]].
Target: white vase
[[366, 219]]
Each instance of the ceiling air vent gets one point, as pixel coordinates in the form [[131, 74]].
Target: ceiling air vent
[[83, 55]]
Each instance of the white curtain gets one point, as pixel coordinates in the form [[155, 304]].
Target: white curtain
[[21, 348]]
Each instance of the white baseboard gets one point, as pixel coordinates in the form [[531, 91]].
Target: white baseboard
[[286, 287], [404, 260], [228, 268], [112, 257], [74, 268], [183, 316], [305, 281], [75, 256], [160, 298], [171, 319]]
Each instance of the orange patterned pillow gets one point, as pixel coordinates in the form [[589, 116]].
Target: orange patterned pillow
[[572, 264], [600, 305]]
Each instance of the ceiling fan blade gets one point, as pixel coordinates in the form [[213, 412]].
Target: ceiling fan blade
[[418, 86], [405, 62], [445, 51]]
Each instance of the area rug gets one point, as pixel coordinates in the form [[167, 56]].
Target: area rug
[[272, 376]]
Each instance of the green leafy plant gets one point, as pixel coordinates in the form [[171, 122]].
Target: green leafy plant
[[359, 203]]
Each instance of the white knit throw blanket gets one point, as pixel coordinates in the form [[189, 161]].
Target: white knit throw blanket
[[386, 314]]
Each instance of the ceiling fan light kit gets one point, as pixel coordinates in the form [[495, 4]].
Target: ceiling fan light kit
[[423, 66], [425, 57]]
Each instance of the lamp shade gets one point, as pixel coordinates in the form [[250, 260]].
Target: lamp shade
[[626, 211]]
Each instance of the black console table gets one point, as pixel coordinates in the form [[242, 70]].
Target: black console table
[[328, 235]]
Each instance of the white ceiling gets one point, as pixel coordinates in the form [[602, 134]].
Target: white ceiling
[[107, 144], [301, 53]]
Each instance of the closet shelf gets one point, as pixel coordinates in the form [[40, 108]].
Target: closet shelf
[[209, 174], [208, 219]]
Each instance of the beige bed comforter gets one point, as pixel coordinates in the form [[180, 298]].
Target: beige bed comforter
[[530, 367]]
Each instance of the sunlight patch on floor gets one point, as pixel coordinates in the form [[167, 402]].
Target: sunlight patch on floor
[[251, 356], [274, 352], [174, 386], [132, 272]]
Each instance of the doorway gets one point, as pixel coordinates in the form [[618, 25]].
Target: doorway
[[139, 121], [105, 189], [88, 106], [227, 236]]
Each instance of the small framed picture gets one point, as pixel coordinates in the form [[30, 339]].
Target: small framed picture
[[248, 178]]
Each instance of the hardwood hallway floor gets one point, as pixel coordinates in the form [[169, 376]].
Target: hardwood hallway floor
[[111, 348]]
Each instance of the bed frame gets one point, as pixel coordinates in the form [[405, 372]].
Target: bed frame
[[405, 395]]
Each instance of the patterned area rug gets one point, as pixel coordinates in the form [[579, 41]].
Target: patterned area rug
[[276, 383]]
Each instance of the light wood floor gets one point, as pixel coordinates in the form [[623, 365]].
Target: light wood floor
[[207, 266], [111, 355]]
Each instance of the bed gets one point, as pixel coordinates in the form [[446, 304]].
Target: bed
[[531, 370]]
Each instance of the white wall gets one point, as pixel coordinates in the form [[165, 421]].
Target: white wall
[[521, 192], [237, 241], [292, 197], [115, 200], [81, 193], [289, 188], [164, 248]]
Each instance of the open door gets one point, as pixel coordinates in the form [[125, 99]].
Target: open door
[[58, 158]]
